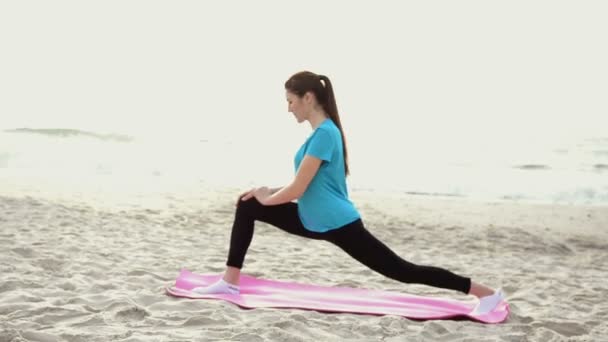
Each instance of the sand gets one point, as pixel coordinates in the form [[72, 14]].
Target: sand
[[80, 269]]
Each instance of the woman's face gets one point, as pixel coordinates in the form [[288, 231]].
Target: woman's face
[[297, 106]]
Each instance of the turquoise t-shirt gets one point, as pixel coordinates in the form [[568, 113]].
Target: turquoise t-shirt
[[325, 205]]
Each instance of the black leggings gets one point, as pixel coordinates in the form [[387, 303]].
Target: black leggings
[[353, 238]]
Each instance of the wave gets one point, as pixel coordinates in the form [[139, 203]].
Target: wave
[[601, 167], [532, 167], [66, 132], [438, 194]]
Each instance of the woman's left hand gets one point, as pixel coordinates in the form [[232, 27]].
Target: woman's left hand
[[262, 194]]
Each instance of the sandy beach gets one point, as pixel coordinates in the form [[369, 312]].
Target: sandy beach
[[472, 132], [76, 269]]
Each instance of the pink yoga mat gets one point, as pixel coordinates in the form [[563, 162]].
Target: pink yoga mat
[[262, 293]]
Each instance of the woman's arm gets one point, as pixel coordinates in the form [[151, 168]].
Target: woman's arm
[[308, 169]]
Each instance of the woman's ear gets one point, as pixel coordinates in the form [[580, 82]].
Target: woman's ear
[[308, 97]]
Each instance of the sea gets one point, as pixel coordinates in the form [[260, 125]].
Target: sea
[[69, 161], [490, 103]]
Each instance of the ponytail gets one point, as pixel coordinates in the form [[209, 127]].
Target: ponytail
[[331, 108]]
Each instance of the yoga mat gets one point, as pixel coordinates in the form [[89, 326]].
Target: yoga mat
[[263, 293]]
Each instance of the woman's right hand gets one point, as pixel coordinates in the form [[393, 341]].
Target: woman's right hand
[[245, 196]]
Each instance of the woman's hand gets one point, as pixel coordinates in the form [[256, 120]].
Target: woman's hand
[[259, 193], [245, 196]]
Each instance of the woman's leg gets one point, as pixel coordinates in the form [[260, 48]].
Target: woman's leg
[[284, 216], [359, 243]]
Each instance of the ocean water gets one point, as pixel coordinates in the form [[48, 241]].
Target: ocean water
[[487, 102], [71, 161]]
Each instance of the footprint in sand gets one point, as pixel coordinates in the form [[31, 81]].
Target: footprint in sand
[[567, 329], [133, 313], [23, 251]]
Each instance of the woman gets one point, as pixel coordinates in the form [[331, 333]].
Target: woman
[[323, 210]]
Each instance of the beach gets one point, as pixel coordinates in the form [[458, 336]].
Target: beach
[[79, 268], [473, 135]]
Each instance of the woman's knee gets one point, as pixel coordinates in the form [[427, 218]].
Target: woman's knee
[[249, 206]]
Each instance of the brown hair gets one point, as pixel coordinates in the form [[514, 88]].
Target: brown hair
[[305, 81]]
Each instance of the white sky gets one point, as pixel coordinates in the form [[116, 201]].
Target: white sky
[[440, 70]]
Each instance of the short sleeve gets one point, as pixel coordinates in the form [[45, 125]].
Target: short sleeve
[[321, 145]]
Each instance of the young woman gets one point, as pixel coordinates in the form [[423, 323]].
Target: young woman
[[323, 210]]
